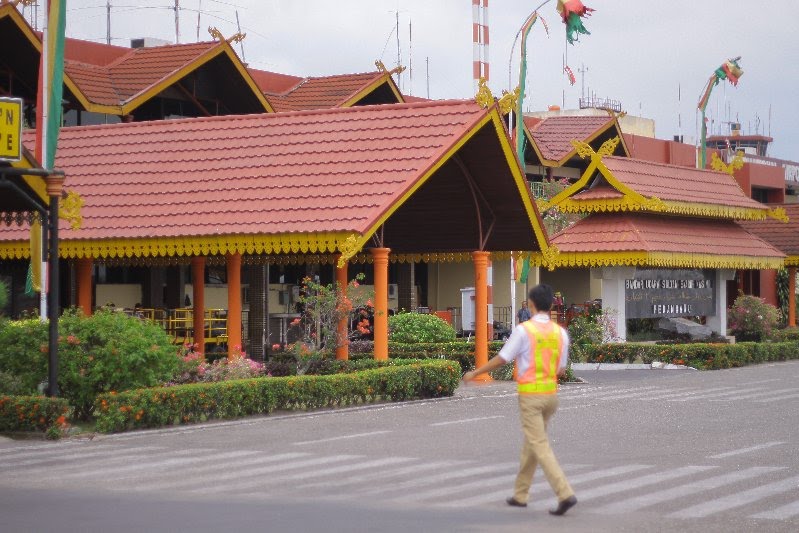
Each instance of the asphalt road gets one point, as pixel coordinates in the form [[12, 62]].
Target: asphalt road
[[645, 451]]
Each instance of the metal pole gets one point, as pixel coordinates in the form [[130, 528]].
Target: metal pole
[[52, 298], [108, 22], [177, 21]]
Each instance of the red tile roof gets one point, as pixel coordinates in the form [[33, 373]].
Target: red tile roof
[[273, 82], [553, 135], [782, 236], [323, 92], [317, 171], [679, 184], [633, 232], [600, 192]]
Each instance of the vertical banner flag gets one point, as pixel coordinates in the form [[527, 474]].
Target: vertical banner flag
[[48, 121]]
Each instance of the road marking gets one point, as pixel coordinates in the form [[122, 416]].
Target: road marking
[[599, 394], [738, 499], [63, 457], [728, 393], [659, 393], [466, 420], [764, 381], [496, 496], [147, 464], [239, 486], [757, 395], [692, 394], [505, 479], [342, 437], [172, 483], [646, 500], [568, 408], [446, 476], [787, 397], [382, 474], [780, 513], [111, 459], [52, 446], [635, 483], [232, 474], [741, 451]]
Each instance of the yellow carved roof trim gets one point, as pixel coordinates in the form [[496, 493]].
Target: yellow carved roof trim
[[660, 259], [369, 89], [284, 243]]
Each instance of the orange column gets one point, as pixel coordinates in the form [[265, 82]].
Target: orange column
[[792, 297], [198, 297], [481, 311], [83, 273], [380, 258], [233, 304], [342, 346]]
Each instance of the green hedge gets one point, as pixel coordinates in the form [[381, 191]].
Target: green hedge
[[702, 356], [33, 413], [183, 404]]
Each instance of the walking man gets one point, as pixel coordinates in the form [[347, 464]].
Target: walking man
[[541, 350]]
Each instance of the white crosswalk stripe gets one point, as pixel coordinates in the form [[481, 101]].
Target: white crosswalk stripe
[[62, 457], [773, 392], [5, 452], [210, 472], [271, 480], [457, 473], [723, 394], [781, 398], [636, 483], [233, 474], [696, 487], [739, 499], [688, 395], [780, 513], [382, 475], [574, 480]]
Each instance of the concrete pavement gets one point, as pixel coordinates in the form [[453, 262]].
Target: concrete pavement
[[644, 450]]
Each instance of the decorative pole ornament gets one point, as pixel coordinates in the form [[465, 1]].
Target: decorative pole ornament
[[730, 70], [572, 12]]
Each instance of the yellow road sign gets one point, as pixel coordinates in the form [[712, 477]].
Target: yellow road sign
[[10, 129]]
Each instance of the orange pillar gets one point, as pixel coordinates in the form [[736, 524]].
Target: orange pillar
[[198, 297], [83, 273], [792, 297], [481, 311], [233, 304], [342, 346], [380, 258]]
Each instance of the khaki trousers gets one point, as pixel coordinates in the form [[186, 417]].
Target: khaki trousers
[[536, 410]]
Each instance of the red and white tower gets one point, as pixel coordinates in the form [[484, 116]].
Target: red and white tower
[[480, 40]]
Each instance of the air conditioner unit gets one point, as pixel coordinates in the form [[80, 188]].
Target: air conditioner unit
[[393, 290]]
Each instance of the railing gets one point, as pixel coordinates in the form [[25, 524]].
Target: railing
[[179, 323], [592, 102]]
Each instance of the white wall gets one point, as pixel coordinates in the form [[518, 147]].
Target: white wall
[[120, 294]]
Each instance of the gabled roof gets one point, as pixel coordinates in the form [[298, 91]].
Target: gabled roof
[[327, 92], [303, 182], [639, 239], [623, 184], [116, 80], [551, 138], [784, 237]]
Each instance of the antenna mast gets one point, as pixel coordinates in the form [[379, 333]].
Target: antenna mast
[[241, 42], [177, 21], [480, 41], [199, 12]]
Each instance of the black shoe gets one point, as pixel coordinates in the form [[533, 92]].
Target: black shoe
[[564, 506], [513, 502]]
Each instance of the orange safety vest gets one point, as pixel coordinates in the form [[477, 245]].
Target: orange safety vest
[[546, 343]]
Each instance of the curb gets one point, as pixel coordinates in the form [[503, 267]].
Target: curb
[[259, 419], [622, 366]]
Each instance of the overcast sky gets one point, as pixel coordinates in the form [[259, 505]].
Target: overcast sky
[[643, 53]]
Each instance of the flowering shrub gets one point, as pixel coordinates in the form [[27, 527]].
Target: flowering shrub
[[104, 352], [752, 319], [33, 413], [417, 327], [198, 402], [236, 368], [323, 307]]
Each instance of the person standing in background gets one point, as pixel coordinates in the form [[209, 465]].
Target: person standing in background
[[524, 313]]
